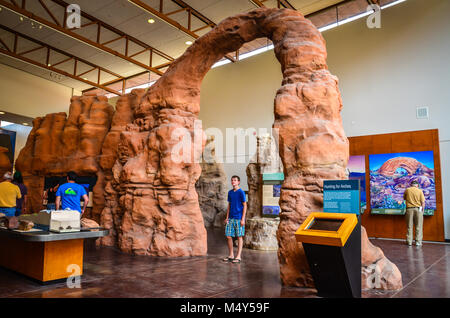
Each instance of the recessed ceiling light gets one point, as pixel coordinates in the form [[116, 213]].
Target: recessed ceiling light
[[25, 124], [188, 42], [2, 113], [151, 20]]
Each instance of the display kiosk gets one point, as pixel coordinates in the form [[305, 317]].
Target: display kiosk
[[332, 245]]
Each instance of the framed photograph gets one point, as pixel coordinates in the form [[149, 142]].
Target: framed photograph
[[391, 174]]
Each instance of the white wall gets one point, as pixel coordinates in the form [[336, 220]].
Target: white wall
[[384, 75], [240, 95], [28, 95]]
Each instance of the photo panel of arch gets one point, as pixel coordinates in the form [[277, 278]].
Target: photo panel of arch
[[392, 173], [356, 169]]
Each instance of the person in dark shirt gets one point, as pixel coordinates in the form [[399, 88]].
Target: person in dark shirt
[[50, 195]]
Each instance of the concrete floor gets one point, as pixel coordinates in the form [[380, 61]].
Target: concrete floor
[[111, 273]]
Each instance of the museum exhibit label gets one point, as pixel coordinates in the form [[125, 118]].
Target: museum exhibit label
[[341, 196], [271, 194]]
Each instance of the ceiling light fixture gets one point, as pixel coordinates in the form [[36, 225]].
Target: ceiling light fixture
[[2, 113], [188, 42], [151, 20], [25, 124]]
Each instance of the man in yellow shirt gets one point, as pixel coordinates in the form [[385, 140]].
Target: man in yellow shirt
[[9, 193], [415, 205]]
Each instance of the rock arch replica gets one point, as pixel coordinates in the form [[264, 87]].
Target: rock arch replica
[[147, 199]]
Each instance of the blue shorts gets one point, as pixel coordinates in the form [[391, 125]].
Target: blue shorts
[[234, 228], [8, 211]]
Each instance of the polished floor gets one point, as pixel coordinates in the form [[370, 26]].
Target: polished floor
[[110, 273]]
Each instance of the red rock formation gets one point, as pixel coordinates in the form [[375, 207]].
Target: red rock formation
[[111, 215], [5, 163], [409, 164], [57, 144], [377, 271]]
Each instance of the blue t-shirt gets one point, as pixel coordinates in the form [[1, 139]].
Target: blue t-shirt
[[70, 194], [236, 207]]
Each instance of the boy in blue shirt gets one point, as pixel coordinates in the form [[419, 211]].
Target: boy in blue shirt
[[235, 219], [69, 194]]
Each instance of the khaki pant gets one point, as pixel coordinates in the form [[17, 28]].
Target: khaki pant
[[414, 218]]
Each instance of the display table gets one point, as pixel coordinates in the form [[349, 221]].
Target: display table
[[44, 256]]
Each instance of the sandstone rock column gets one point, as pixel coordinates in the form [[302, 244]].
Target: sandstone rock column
[[58, 144]]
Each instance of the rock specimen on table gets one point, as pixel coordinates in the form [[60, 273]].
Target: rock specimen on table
[[212, 187], [59, 143], [89, 224], [12, 223], [377, 271], [3, 220], [25, 225]]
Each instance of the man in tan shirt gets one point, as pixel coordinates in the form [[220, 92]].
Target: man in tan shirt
[[415, 205]]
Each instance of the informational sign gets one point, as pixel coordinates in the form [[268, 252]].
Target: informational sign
[[341, 196], [271, 194], [271, 197]]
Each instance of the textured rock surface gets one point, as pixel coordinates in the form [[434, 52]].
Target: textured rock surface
[[59, 143], [254, 181], [111, 215], [5, 163], [377, 271], [261, 233], [212, 188]]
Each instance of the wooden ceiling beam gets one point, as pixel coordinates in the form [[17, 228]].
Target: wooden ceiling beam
[[164, 17], [62, 30], [103, 24], [47, 65]]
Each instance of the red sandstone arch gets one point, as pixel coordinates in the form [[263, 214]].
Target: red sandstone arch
[[409, 164], [313, 145]]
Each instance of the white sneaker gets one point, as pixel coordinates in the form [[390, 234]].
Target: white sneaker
[[418, 244]]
